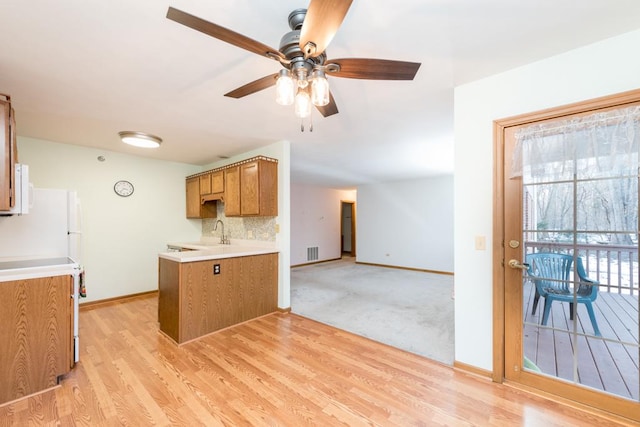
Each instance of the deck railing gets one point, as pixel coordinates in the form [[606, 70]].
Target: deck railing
[[614, 266]]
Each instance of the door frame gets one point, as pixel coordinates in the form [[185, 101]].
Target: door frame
[[502, 251], [353, 225]]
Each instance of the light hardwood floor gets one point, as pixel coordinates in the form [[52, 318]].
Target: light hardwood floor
[[280, 369]]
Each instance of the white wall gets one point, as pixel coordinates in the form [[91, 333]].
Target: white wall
[[407, 224], [315, 221], [121, 236], [600, 69]]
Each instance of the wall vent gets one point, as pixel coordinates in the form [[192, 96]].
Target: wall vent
[[312, 254]]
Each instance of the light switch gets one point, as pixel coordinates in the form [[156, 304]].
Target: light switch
[[481, 243]]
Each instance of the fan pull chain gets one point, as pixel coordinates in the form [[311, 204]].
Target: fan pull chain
[[310, 123]]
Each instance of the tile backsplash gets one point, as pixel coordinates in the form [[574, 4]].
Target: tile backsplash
[[245, 228]]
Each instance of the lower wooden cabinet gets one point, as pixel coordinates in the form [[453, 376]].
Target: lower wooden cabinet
[[195, 301], [36, 334]]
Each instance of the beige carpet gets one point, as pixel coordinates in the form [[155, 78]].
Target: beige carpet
[[410, 310]]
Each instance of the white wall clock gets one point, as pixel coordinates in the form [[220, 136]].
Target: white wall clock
[[123, 188]]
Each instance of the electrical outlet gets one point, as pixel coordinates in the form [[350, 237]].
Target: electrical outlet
[[250, 234], [216, 268]]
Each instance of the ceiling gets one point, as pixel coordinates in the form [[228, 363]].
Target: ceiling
[[79, 71]]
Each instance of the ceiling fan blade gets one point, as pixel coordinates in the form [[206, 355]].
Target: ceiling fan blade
[[321, 23], [330, 109], [253, 87], [375, 69], [222, 33]]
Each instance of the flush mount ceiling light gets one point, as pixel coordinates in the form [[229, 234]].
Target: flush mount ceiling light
[[140, 139]]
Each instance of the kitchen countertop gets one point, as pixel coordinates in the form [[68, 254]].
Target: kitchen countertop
[[31, 268], [207, 251], [194, 246]]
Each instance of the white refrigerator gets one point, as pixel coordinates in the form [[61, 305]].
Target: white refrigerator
[[46, 237], [50, 229]]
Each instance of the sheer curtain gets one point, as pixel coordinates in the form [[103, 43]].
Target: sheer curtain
[[600, 144]]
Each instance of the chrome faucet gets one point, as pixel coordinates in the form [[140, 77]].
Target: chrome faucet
[[224, 240]]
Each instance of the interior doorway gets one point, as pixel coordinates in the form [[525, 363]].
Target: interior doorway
[[348, 228]]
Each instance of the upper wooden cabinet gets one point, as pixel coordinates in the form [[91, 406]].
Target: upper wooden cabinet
[[8, 153], [195, 207], [232, 191], [217, 182], [205, 184], [193, 197], [247, 188], [259, 188], [212, 183]]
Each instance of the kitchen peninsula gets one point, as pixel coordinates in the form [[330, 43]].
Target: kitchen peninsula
[[207, 288]]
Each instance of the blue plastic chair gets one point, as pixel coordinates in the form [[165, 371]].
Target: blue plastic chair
[[551, 275]]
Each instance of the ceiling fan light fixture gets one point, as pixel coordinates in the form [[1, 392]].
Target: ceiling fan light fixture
[[302, 53], [319, 88], [140, 139], [302, 104], [284, 88]]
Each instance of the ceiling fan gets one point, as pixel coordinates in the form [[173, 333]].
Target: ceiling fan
[[302, 81]]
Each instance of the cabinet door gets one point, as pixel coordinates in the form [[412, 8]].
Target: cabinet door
[[193, 197], [36, 334], [268, 188], [195, 207], [258, 285], [232, 191], [244, 288], [217, 182], [208, 301], [6, 156], [205, 184], [249, 189]]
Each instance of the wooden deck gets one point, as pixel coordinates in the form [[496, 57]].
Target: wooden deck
[[608, 363]]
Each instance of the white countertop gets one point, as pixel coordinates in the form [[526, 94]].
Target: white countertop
[[31, 268], [203, 251], [194, 246]]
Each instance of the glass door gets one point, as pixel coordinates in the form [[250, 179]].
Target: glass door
[[571, 282]]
